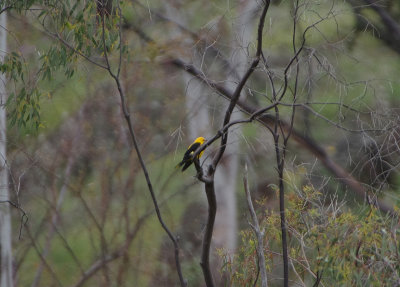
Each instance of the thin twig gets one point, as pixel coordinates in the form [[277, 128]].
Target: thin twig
[[5, 9], [119, 252], [24, 216], [281, 153], [69, 46], [225, 129], [308, 143], [126, 113], [56, 213], [259, 233], [239, 88], [335, 124], [42, 259]]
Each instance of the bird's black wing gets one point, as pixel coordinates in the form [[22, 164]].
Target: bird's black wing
[[188, 154], [187, 157]]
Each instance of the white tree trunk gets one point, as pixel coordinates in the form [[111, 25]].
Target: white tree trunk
[[226, 177], [195, 92], [196, 105], [5, 224]]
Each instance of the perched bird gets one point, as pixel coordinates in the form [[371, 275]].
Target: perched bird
[[188, 156]]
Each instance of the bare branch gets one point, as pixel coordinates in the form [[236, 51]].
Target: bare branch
[[259, 233], [24, 216], [238, 90], [335, 124], [268, 121], [42, 259], [119, 252], [5, 9], [225, 129], [126, 113]]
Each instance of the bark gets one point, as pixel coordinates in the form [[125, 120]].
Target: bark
[[5, 219], [208, 234]]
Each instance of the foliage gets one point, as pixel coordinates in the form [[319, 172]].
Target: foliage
[[75, 28], [327, 240], [23, 104]]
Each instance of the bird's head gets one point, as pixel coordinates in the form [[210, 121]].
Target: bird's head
[[200, 140]]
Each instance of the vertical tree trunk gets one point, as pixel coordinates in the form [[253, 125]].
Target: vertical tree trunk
[[5, 224], [195, 92], [196, 98], [226, 176]]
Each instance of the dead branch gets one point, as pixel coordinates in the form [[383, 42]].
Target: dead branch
[[126, 113], [259, 233]]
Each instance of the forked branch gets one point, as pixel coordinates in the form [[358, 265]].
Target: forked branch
[[208, 179]]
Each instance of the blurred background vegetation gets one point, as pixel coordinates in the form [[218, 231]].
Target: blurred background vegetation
[[73, 171]]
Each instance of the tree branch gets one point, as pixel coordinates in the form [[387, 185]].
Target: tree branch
[[257, 231], [209, 184], [236, 94], [388, 33], [206, 246], [308, 143], [127, 117]]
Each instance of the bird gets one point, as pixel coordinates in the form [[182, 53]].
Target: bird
[[188, 156]]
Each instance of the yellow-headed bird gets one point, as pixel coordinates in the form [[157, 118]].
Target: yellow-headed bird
[[188, 156]]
